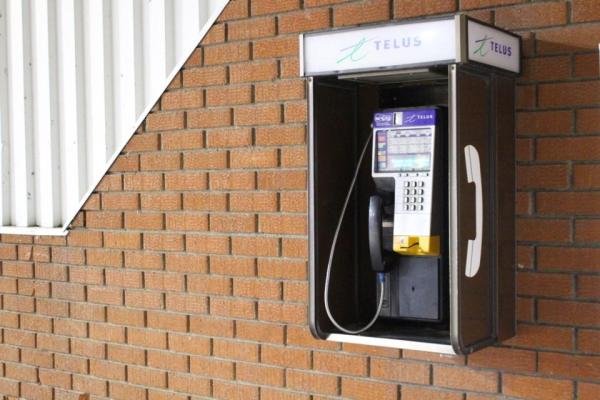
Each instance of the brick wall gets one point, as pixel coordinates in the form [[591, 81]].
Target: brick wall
[[185, 274]]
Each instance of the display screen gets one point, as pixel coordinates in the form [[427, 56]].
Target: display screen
[[404, 150]]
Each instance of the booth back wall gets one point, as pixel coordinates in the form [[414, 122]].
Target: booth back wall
[[185, 276]]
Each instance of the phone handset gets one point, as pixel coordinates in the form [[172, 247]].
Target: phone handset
[[473, 167]]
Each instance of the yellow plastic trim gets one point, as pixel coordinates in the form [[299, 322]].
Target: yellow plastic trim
[[417, 245]]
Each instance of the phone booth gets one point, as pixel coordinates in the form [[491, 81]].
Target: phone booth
[[412, 184]]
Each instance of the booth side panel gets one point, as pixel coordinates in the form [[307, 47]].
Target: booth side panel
[[505, 206]]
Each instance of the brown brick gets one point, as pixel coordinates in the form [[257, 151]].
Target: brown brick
[[568, 259], [163, 242], [144, 299], [259, 374], [294, 157], [283, 224], [187, 222], [226, 53], [276, 47], [146, 376], [212, 244], [571, 38], [182, 99], [125, 391], [542, 337], [304, 21], [539, 284], [587, 230], [580, 203], [209, 284], [259, 331], [544, 122], [467, 4], [188, 384], [228, 95], [587, 391], [143, 260], [417, 8], [293, 202], [223, 180], [466, 379], [211, 326], [258, 115], [264, 289], [532, 16], [235, 350], [235, 9], [288, 357], [225, 391], [364, 390], [569, 313], [569, 94], [543, 230], [256, 246], [122, 240], [425, 393], [572, 366], [588, 341], [144, 220], [164, 121], [188, 139], [167, 321], [253, 72], [588, 286], [235, 266], [209, 118], [251, 28], [211, 367], [282, 312], [205, 201], [586, 66], [361, 12], [186, 263], [234, 137], [160, 161], [282, 269], [254, 158], [255, 201], [280, 135], [311, 382], [142, 182], [205, 76], [295, 112], [279, 91], [586, 176], [588, 120], [233, 223]]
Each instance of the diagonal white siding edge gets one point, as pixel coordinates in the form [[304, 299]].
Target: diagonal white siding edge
[[77, 77]]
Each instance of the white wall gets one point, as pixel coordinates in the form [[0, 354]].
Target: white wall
[[76, 79]]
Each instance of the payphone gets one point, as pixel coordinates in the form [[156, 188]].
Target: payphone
[[411, 184]]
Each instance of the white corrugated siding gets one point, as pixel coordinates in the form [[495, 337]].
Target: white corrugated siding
[[76, 79]]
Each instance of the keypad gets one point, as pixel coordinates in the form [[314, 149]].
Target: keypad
[[413, 198]]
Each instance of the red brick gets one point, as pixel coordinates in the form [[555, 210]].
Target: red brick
[[259, 331], [586, 176], [588, 341], [188, 384], [311, 382], [144, 220], [226, 53], [142, 182], [233, 308], [187, 222], [186, 263], [588, 286], [209, 284], [211, 367], [144, 299], [280, 135], [251, 28], [258, 115], [538, 388], [160, 161], [146, 376], [228, 95], [588, 120], [587, 391], [282, 312], [532, 16], [571, 366], [143, 260], [307, 20], [273, 6], [569, 313], [225, 391], [235, 350], [160, 201], [167, 321], [224, 180], [361, 12], [122, 240], [256, 246], [467, 4], [417, 8], [182, 99], [425, 393], [255, 201], [548, 285], [253, 72], [570, 38], [163, 242], [543, 230], [568, 259], [263, 289], [364, 390], [253, 158], [164, 121], [579, 203], [586, 66], [276, 47], [466, 379], [211, 326], [259, 374], [188, 139], [585, 10], [235, 266], [544, 122], [126, 391], [212, 244], [569, 94], [285, 356], [205, 201], [295, 112], [209, 118], [205, 76]]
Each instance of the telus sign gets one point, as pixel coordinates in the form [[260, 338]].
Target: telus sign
[[376, 47], [493, 47]]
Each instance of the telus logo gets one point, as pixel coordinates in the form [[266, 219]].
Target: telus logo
[[358, 50], [487, 44], [383, 118]]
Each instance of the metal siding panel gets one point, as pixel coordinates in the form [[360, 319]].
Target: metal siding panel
[[76, 79]]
